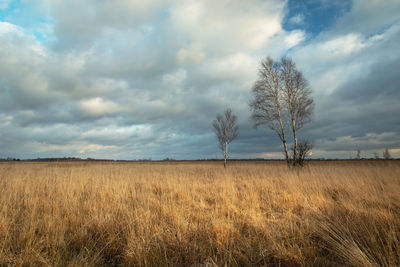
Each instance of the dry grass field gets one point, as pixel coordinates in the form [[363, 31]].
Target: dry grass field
[[198, 214]]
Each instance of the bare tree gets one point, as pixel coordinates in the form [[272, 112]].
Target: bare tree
[[282, 99], [297, 99], [226, 130], [386, 154], [304, 149], [376, 156], [267, 105], [358, 154]]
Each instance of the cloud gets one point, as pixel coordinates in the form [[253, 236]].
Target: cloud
[[98, 107], [226, 27], [354, 81], [297, 19], [369, 17], [294, 38], [369, 141], [350, 43], [175, 79], [194, 53], [139, 79], [80, 23], [8, 28]]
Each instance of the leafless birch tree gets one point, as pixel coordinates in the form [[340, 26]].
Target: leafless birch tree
[[282, 100], [226, 130], [358, 156], [267, 105], [297, 99]]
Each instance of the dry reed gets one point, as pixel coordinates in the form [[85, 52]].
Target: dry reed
[[198, 214]]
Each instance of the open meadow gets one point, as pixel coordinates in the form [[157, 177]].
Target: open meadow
[[200, 214]]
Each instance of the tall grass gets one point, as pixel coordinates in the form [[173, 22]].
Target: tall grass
[[198, 214]]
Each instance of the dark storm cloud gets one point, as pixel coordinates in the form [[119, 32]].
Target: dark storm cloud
[[369, 17], [355, 80]]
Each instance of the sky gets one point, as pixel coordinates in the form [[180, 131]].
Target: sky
[[134, 79]]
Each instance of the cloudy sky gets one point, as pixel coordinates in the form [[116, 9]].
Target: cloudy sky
[[134, 79]]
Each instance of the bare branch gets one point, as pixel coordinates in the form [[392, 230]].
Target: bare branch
[[281, 99], [297, 99], [267, 104], [304, 151]]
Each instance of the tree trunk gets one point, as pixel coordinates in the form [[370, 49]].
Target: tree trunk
[[225, 153], [283, 134], [286, 152], [295, 157]]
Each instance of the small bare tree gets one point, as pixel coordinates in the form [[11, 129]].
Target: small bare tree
[[297, 99], [226, 130], [304, 150], [386, 154], [267, 105], [358, 156]]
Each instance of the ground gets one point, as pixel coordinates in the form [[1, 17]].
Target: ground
[[200, 214]]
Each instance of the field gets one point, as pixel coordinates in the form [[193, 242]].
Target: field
[[198, 214]]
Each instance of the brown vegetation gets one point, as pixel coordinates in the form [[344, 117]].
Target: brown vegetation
[[198, 214]]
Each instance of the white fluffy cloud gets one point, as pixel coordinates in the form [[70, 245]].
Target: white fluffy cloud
[[227, 26]]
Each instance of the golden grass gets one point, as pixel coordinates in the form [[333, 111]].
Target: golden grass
[[198, 214]]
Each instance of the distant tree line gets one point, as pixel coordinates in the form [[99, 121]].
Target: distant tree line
[[385, 154]]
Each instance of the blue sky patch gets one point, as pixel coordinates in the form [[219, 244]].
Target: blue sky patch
[[314, 16]]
